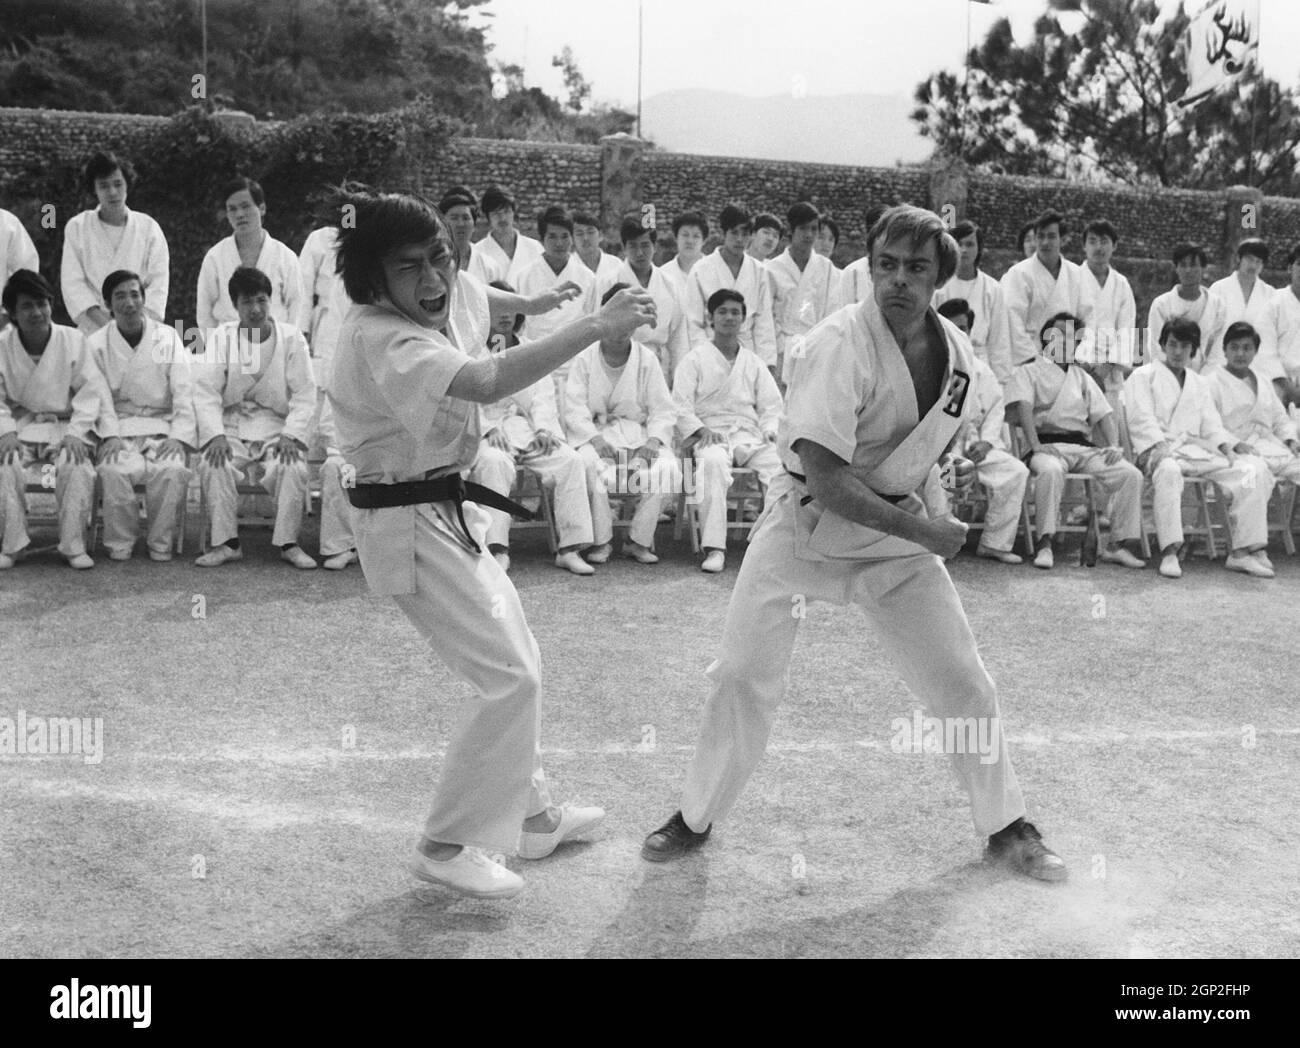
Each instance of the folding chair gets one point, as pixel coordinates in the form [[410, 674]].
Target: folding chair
[[1029, 521], [529, 487], [97, 514], [744, 499]]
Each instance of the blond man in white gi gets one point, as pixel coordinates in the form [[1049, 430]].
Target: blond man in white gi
[[729, 267], [980, 440], [16, 252], [875, 401], [620, 416], [1058, 404], [107, 238], [1043, 286], [51, 393], [254, 400], [728, 412], [804, 285], [147, 431], [524, 429], [1245, 295], [1176, 432], [406, 407], [991, 335], [1188, 299], [249, 246]]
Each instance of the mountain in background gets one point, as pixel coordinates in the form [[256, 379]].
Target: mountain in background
[[868, 130]]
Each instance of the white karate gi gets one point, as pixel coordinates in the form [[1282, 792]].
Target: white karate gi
[[1256, 417], [1070, 401], [606, 267], [395, 423], [990, 336], [855, 284], [1285, 311], [252, 407], [801, 299], [668, 338], [582, 514], [320, 313], [852, 393], [527, 251], [278, 263], [43, 402], [626, 408], [738, 400], [539, 277], [1257, 312], [1115, 348], [16, 248], [1033, 296], [92, 249], [335, 511], [679, 280], [483, 268], [711, 273], [1158, 410], [1001, 473], [1207, 312], [152, 400], [471, 315]]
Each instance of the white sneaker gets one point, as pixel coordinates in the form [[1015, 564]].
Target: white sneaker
[[714, 562], [6, 562], [80, 561], [119, 554], [218, 555], [574, 822], [572, 562], [1247, 565], [1044, 558], [470, 873], [340, 560], [640, 554], [1169, 566], [502, 557], [1122, 556], [298, 557], [599, 554], [1002, 556], [1261, 555], [160, 555]]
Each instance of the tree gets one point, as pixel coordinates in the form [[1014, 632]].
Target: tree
[[1095, 97], [574, 82]]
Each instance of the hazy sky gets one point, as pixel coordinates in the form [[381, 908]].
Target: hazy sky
[[758, 48]]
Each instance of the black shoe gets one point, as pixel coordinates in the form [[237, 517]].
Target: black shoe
[[672, 839], [1021, 847]]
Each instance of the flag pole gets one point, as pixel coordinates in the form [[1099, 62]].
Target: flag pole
[[640, 52], [1256, 68]]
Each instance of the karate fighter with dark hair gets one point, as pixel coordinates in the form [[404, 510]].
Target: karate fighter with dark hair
[[877, 398]]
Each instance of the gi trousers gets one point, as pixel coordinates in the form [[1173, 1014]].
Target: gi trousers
[[166, 482], [73, 486], [1005, 477], [287, 484], [713, 479]]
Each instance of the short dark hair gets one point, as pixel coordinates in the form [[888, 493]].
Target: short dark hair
[[801, 214], [459, 196], [1049, 218], [612, 292], [118, 276], [965, 228], [584, 218], [1253, 246], [248, 280], [726, 294], [103, 164], [1182, 329], [239, 185], [1182, 251], [731, 217], [25, 282], [501, 285], [833, 226], [632, 228], [956, 307], [554, 216], [1025, 230], [1060, 318], [379, 224], [1240, 329], [495, 198], [1101, 228], [766, 220], [872, 214], [691, 218]]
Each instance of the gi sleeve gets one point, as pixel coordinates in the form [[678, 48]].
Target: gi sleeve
[[79, 294], [1017, 293], [302, 388], [685, 384], [661, 412], [208, 293], [577, 412], [412, 373], [1144, 427], [157, 269]]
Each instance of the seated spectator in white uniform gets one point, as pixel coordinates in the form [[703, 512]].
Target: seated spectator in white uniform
[[1247, 296], [506, 249], [1177, 432], [248, 246], [1286, 328], [855, 280], [728, 411], [991, 335], [980, 440], [1043, 286], [1113, 345], [587, 248], [254, 398], [764, 237], [147, 432], [1058, 405], [16, 252], [620, 416], [729, 267], [803, 287], [524, 429], [1188, 299], [107, 238], [50, 396], [667, 339], [690, 231]]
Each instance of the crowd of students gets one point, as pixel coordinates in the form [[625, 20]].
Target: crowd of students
[[1207, 389]]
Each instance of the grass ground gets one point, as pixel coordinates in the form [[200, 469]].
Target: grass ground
[[1155, 727]]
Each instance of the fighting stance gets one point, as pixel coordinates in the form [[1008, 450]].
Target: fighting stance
[[406, 402], [875, 401]]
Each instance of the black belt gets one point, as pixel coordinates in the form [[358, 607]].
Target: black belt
[[451, 488], [894, 499]]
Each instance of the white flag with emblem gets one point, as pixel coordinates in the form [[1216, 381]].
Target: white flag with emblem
[[1222, 40]]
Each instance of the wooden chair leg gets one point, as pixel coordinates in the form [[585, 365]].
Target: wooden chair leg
[[1287, 514]]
